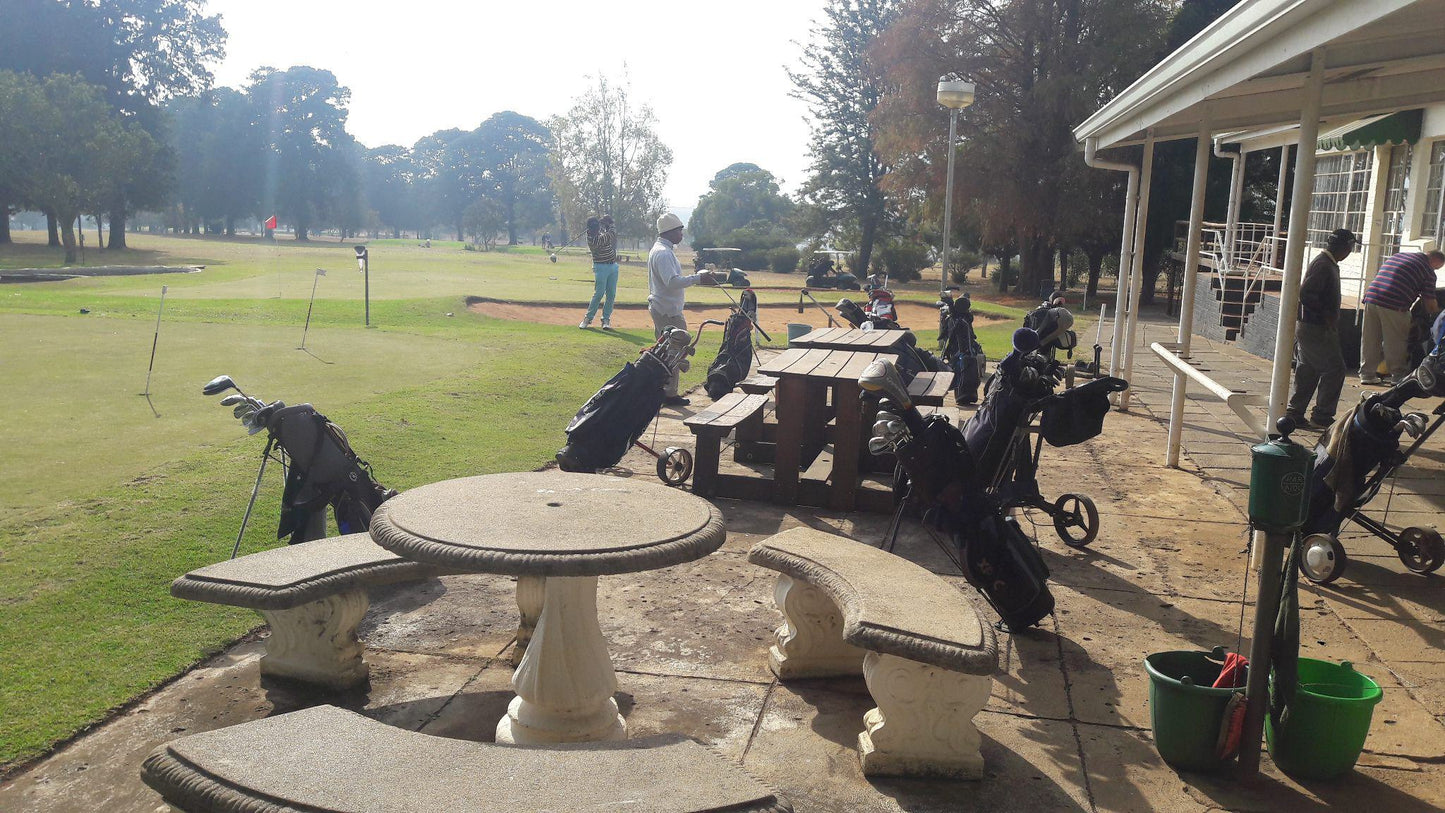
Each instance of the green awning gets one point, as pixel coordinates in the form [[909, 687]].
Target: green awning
[[1376, 131]]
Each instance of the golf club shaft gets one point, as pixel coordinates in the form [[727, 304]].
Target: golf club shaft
[[256, 489], [745, 313], [155, 341], [831, 321]]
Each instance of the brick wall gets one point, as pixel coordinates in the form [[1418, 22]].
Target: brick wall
[[1259, 331]]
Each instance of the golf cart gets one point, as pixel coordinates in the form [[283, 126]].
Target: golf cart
[[724, 260], [823, 272]]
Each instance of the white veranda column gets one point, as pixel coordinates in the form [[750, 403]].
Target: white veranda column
[[1191, 277], [1126, 257], [1136, 268]]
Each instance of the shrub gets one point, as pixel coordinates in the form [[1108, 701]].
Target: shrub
[[784, 259], [903, 260], [961, 262]]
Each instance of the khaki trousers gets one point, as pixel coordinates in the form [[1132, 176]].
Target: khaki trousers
[[660, 323], [1387, 330]]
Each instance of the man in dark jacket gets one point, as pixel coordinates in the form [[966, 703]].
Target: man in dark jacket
[[1319, 365]]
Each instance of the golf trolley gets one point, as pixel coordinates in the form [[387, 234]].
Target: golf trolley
[[318, 464], [615, 417]]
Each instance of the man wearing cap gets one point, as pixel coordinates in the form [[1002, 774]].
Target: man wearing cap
[[1319, 365], [1405, 277], [665, 286]]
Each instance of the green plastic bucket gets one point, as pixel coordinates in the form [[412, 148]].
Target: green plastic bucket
[[1327, 723], [1184, 709], [796, 330]]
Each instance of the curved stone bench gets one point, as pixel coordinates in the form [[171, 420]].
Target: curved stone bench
[[926, 655], [313, 595], [328, 759]]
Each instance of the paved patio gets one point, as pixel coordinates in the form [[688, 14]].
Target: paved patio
[[1067, 727]]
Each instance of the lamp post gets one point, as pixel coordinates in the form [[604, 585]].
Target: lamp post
[[363, 264], [954, 94]]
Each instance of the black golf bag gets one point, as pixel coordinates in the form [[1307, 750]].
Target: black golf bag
[[1054, 324], [324, 471], [734, 358], [606, 426], [961, 350], [943, 479]]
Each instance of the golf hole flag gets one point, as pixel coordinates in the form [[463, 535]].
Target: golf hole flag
[[271, 222]]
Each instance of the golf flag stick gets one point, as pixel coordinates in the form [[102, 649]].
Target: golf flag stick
[[320, 272], [155, 341]]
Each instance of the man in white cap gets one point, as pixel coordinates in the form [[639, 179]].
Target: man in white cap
[[665, 286]]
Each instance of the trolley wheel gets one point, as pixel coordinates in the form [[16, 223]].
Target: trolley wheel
[[674, 466], [1323, 559], [1076, 519], [1421, 549]]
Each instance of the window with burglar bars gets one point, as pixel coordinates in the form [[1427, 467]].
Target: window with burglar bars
[[1342, 186], [1397, 185], [1430, 226]]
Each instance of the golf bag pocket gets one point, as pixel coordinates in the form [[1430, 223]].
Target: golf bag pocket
[[1001, 562], [1076, 415]]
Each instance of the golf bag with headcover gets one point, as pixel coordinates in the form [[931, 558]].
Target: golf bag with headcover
[[961, 350], [1054, 324], [324, 471], [734, 358], [995, 555]]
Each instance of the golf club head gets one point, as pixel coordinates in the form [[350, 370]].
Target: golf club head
[[218, 385], [232, 400], [243, 409], [878, 446], [881, 377]]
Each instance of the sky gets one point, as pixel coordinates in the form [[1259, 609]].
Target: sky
[[714, 73]]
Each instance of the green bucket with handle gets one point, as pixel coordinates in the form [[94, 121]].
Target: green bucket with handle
[[1324, 731], [1185, 710]]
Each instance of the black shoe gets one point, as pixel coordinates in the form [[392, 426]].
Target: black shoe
[[675, 400]]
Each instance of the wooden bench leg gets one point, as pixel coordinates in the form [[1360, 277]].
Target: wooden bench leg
[[707, 448], [923, 725], [317, 642], [530, 591], [810, 641]]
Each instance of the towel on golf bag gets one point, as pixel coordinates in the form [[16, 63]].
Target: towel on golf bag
[[615, 416], [1076, 415], [734, 358], [324, 471]]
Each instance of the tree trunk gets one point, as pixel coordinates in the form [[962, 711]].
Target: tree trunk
[[1005, 270], [4, 221], [865, 245], [52, 226], [67, 239], [301, 229], [1063, 268], [1096, 267], [117, 230], [230, 226], [1036, 259], [460, 238], [99, 234]]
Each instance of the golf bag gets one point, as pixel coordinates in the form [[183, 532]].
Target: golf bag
[[995, 555], [960, 347], [859, 318], [1054, 324], [324, 471], [734, 358], [606, 426]]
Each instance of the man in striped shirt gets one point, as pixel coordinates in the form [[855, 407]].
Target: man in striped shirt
[[602, 242], [1405, 277]]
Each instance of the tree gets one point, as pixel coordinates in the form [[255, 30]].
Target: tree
[[1040, 67], [388, 175], [608, 159], [842, 85], [738, 195], [511, 150], [483, 220], [447, 177], [20, 100], [302, 113]]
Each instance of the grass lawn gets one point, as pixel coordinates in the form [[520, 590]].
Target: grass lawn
[[106, 497]]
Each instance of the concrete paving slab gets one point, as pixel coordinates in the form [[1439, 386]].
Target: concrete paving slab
[[467, 616]]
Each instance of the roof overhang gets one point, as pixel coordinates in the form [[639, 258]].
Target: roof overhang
[[1372, 131], [1247, 71]]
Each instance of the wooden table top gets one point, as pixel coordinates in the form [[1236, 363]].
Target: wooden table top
[[820, 363], [847, 338]]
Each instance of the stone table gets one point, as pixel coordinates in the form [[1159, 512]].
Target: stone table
[[557, 531]]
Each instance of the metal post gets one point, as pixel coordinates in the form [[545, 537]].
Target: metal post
[[1267, 594], [1299, 210], [1186, 304], [1231, 222], [1136, 268], [366, 272], [948, 199], [1126, 255]]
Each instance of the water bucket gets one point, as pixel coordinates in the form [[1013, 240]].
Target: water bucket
[[1184, 709], [1325, 731], [795, 330]]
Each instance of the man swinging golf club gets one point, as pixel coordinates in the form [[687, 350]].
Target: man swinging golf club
[[665, 286]]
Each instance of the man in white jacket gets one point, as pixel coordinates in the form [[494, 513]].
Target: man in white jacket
[[665, 286]]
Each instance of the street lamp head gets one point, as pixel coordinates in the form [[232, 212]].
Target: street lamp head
[[955, 94]]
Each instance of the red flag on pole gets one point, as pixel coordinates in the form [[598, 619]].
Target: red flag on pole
[[271, 222]]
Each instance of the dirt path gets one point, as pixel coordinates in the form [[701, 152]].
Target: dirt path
[[774, 318]]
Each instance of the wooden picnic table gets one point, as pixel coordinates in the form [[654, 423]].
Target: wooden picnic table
[[805, 378], [847, 338]]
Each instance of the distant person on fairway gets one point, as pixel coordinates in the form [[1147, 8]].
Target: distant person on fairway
[[665, 286], [602, 241]]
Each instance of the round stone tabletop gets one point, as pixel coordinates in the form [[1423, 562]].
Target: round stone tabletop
[[549, 523]]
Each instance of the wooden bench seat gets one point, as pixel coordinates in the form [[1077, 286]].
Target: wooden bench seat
[[734, 411], [313, 595], [928, 389], [926, 655], [758, 384], [329, 759]]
